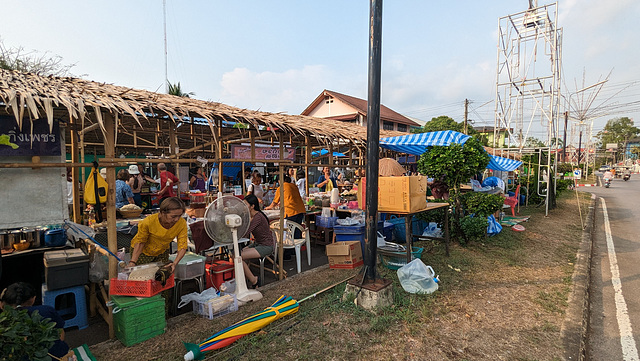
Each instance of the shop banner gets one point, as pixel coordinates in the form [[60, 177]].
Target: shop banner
[[262, 153], [33, 139]]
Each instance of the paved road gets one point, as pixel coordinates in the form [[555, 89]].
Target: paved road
[[615, 285]]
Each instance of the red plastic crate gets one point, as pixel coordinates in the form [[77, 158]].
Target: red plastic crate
[[139, 288]]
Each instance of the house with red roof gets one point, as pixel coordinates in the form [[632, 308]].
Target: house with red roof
[[337, 106]]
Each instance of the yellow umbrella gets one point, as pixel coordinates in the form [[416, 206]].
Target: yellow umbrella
[[389, 167], [285, 305]]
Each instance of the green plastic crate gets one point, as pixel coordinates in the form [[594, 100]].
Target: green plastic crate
[[136, 320]]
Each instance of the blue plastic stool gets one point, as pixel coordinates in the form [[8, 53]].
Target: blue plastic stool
[[78, 310]]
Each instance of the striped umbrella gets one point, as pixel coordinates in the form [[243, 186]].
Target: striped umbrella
[[285, 305], [420, 143]]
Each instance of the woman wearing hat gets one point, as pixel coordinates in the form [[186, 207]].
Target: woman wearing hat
[[135, 182]]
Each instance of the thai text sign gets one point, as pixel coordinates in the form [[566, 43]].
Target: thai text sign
[[262, 153], [33, 139]]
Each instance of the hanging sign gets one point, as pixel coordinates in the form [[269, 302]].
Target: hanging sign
[[34, 138], [262, 153]]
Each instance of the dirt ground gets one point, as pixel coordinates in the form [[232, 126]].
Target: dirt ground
[[503, 299]]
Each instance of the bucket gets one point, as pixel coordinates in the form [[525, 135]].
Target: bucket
[[55, 237]]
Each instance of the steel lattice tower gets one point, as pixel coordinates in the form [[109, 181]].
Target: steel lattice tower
[[528, 74]]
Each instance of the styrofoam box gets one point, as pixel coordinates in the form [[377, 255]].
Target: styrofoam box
[[190, 266], [216, 307]]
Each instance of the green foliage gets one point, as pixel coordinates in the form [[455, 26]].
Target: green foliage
[[619, 131], [565, 168], [24, 336], [455, 164], [474, 228], [533, 142], [437, 215], [481, 204], [563, 184], [176, 89], [443, 122]]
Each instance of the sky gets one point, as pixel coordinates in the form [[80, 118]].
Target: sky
[[278, 56]]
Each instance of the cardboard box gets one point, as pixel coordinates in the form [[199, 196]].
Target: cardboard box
[[345, 254], [398, 194]]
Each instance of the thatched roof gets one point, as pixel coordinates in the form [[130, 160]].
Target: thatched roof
[[85, 101]]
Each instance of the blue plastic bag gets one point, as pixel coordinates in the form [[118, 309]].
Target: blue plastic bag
[[494, 226]]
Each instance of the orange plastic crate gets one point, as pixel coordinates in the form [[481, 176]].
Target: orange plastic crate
[[139, 288]]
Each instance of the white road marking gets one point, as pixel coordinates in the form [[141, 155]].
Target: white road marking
[[629, 349]]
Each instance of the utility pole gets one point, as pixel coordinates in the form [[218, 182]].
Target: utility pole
[[466, 114], [564, 138]]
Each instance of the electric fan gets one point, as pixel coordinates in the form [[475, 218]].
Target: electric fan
[[224, 219]]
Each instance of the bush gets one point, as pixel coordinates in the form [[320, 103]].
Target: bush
[[474, 228], [481, 204], [26, 336]]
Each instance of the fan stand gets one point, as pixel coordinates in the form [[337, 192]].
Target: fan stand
[[243, 294]]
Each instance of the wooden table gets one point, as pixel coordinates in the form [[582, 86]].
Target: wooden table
[[408, 229]]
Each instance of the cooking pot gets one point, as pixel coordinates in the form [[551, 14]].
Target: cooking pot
[[4, 240], [28, 234], [38, 240]]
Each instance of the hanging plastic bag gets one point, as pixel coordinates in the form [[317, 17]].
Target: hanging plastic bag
[[416, 277], [381, 241], [98, 268], [95, 187], [494, 226]]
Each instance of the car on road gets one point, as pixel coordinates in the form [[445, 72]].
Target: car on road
[[604, 168]]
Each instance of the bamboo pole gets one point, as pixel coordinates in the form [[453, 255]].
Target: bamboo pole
[[281, 238], [76, 215], [307, 160], [220, 164], [109, 151]]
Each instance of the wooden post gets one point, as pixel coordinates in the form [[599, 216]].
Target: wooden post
[[281, 238], [109, 152], [173, 150], [307, 160], [220, 176], [77, 215]]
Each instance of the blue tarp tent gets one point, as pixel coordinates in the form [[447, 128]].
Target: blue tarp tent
[[419, 143], [229, 169]]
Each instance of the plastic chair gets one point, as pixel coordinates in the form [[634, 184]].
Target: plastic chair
[[513, 201], [290, 243], [274, 254]]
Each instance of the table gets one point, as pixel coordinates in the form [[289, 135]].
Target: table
[[408, 229]]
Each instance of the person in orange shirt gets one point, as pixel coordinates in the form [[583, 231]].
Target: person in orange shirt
[[294, 209]]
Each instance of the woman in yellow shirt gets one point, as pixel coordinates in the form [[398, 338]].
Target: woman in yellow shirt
[[156, 232]]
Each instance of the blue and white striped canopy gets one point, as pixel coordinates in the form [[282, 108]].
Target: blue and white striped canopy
[[316, 153], [418, 144]]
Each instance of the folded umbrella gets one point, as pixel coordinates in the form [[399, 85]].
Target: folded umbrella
[[285, 305]]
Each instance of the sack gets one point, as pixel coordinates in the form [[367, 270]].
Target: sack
[[494, 226], [416, 277], [94, 180]]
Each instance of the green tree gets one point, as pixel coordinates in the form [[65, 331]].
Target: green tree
[[454, 165], [618, 131], [533, 142], [44, 64], [444, 122], [176, 89], [635, 151]]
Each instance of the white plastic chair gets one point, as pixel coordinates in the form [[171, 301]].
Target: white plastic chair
[[290, 243]]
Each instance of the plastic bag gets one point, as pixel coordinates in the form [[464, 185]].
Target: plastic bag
[[381, 241], [494, 226], [432, 230], [416, 277], [203, 297], [98, 268]]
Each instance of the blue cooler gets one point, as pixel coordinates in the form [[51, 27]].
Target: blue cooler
[[350, 233]]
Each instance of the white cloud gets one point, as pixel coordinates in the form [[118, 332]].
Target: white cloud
[[289, 91]]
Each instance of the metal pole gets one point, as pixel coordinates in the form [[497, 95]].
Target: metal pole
[[373, 135], [564, 138]]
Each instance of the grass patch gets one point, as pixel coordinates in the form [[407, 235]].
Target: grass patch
[[554, 301]]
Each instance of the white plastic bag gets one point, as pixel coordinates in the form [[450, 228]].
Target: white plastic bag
[[432, 230], [416, 277], [203, 297]]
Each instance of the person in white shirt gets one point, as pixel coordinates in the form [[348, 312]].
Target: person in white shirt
[[255, 187], [302, 184]]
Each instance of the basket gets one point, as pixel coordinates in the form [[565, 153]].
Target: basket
[[216, 307], [139, 288], [395, 260], [130, 214]]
